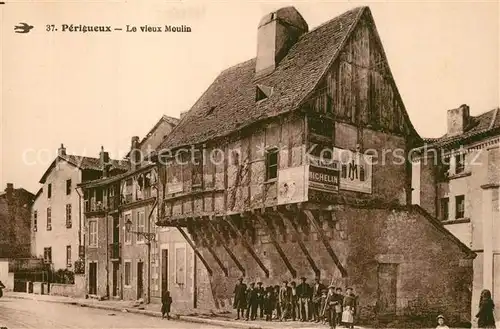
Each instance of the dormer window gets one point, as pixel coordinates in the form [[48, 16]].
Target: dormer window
[[260, 95], [262, 92]]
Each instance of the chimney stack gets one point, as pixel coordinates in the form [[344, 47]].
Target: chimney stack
[[61, 151], [104, 162], [9, 190], [458, 119], [135, 153], [277, 33]]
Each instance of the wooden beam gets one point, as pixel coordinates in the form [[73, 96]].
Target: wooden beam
[[222, 241], [195, 249], [247, 246], [301, 243], [274, 241], [323, 238], [214, 255]]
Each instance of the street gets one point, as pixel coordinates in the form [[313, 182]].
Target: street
[[23, 313]]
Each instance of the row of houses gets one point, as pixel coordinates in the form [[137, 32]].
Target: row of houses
[[240, 187]]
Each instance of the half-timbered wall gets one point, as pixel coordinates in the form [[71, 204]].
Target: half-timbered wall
[[234, 173]]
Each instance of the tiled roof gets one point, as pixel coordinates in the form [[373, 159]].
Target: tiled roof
[[229, 103], [477, 127], [94, 163], [87, 163]]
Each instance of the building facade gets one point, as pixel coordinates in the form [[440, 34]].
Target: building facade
[[57, 212], [128, 261], [269, 176], [15, 221], [456, 179]]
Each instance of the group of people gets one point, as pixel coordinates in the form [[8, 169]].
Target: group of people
[[302, 302]]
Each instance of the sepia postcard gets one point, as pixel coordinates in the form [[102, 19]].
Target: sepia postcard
[[249, 164]]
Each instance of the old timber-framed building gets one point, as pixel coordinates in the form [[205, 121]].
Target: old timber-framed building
[[240, 178]]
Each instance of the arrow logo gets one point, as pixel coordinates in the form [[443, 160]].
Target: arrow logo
[[23, 28]]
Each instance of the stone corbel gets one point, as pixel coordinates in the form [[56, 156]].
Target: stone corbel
[[195, 249], [324, 239], [301, 244], [221, 240], [214, 254], [276, 244], [247, 246]]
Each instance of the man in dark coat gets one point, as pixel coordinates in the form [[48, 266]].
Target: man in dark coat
[[317, 288], [166, 303], [304, 295], [260, 298], [252, 300], [239, 298]]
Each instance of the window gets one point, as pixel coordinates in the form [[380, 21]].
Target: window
[[444, 170], [141, 225], [68, 216], [47, 254], [128, 235], [49, 219], [128, 190], [272, 164], [197, 169], [128, 269], [35, 215], [93, 233], [459, 206], [180, 265], [459, 163], [68, 187], [49, 191], [444, 208], [68, 256]]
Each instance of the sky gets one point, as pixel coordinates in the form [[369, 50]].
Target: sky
[[91, 89]]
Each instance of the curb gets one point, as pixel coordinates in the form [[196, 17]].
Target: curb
[[183, 318]]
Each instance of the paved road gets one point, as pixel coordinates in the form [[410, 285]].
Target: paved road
[[23, 313]]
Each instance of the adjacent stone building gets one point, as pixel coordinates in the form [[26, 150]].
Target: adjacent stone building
[[57, 212], [456, 178], [294, 164], [15, 222], [121, 262]]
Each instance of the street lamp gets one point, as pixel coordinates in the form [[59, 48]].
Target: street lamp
[[148, 236]]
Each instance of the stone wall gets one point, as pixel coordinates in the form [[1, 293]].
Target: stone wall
[[432, 273], [76, 290]]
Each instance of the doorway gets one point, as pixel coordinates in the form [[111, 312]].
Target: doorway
[[164, 271], [140, 284], [92, 278], [116, 229], [116, 267], [387, 288]]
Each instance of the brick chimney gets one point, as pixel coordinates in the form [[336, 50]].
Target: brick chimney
[[104, 162], [135, 153], [9, 189], [457, 120], [277, 33], [61, 151]]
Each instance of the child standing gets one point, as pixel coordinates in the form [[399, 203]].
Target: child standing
[[268, 304], [166, 302], [323, 306], [441, 324]]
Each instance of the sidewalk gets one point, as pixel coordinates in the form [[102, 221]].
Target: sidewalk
[[222, 320]]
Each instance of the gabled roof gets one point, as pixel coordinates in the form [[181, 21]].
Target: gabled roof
[[18, 191], [228, 105], [165, 118], [477, 127], [86, 163]]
